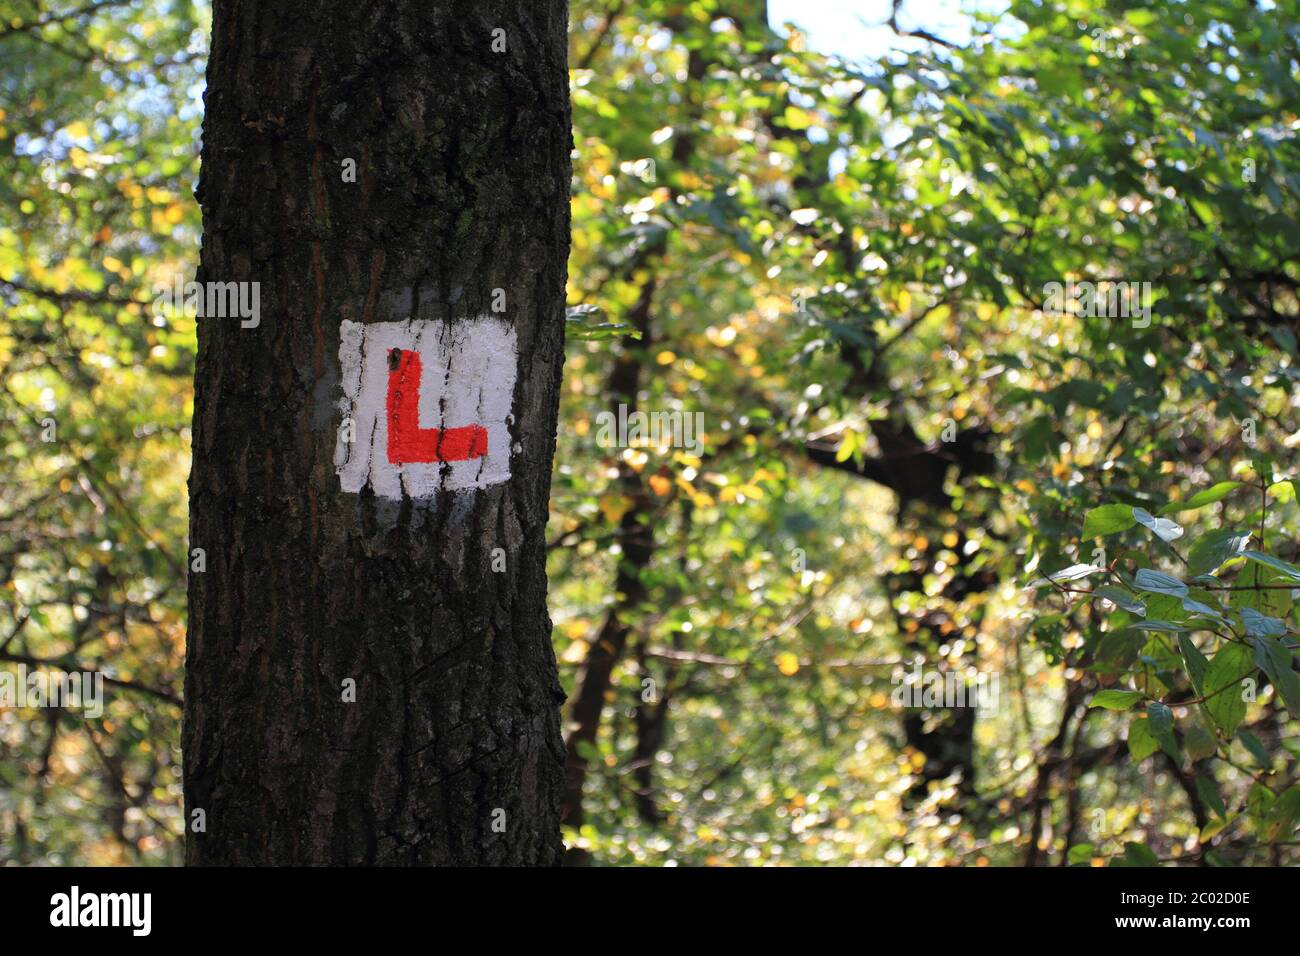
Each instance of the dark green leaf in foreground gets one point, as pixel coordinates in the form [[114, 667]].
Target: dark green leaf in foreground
[[1223, 691], [1108, 519]]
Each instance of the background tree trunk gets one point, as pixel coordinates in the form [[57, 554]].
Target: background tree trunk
[[462, 179]]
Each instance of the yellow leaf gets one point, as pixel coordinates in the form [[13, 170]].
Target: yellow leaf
[[614, 507], [660, 485], [848, 442], [796, 118], [1213, 829]]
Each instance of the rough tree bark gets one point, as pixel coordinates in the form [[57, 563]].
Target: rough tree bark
[[451, 753]]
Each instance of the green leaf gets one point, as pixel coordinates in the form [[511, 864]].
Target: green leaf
[[1161, 719], [1141, 742], [1259, 799], [1274, 659], [1120, 598], [1222, 691], [1072, 573], [577, 327], [1166, 626], [1162, 528], [1135, 854], [1156, 582], [1081, 854], [1257, 750], [1285, 338], [1275, 602], [1203, 610], [1212, 549], [1108, 519], [1206, 496], [1118, 650], [1199, 743], [1038, 440], [1288, 570], [1279, 820], [1209, 794], [1196, 663], [1115, 699], [1203, 209], [1164, 607], [1261, 625]]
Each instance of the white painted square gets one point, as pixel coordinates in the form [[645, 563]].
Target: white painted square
[[468, 378]]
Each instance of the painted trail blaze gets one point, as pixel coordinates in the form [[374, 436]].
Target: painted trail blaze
[[426, 405], [407, 441]]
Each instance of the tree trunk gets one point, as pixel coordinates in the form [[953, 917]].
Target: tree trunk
[[427, 590]]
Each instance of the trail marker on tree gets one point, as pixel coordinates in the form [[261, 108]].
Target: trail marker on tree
[[430, 405]]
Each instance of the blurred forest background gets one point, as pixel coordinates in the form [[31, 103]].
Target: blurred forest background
[[842, 261]]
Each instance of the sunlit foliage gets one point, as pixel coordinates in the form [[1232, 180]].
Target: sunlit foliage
[[844, 270]]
